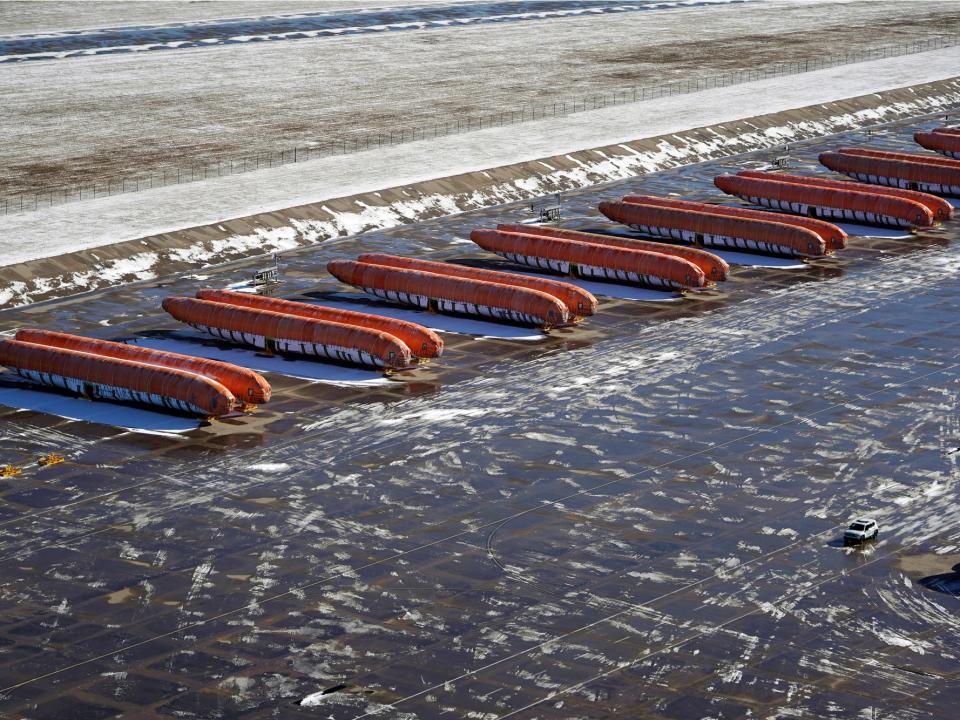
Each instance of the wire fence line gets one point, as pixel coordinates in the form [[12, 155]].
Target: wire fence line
[[526, 112]]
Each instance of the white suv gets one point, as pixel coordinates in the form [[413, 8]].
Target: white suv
[[860, 530]]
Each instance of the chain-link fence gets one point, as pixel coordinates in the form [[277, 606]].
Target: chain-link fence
[[526, 112]]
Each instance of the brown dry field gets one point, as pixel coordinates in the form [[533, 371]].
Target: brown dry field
[[83, 121]]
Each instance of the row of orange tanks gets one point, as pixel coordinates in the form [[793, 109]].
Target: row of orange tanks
[[801, 229], [898, 194], [447, 287], [837, 200], [945, 141], [100, 369], [289, 327]]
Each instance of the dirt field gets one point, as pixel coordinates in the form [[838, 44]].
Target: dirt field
[[37, 17], [86, 120]]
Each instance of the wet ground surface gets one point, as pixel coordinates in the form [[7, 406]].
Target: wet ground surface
[[636, 517]]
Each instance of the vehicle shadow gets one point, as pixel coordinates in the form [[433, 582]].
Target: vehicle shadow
[[850, 544]]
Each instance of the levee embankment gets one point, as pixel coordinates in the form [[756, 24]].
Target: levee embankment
[[297, 227]]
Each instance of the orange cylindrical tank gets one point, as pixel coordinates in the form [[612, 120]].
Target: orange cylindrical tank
[[711, 229], [578, 301], [423, 342], [941, 209], [945, 141], [713, 266], [453, 294], [921, 158], [833, 236], [592, 260], [858, 205], [246, 385], [286, 333], [880, 169], [117, 379]]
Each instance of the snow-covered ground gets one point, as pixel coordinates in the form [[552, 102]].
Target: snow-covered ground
[[94, 223]]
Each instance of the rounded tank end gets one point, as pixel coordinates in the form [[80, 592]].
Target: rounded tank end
[[170, 302], [723, 181], [340, 269]]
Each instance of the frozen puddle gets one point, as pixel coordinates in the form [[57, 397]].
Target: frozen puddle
[[96, 411], [434, 321], [315, 370], [871, 231]]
